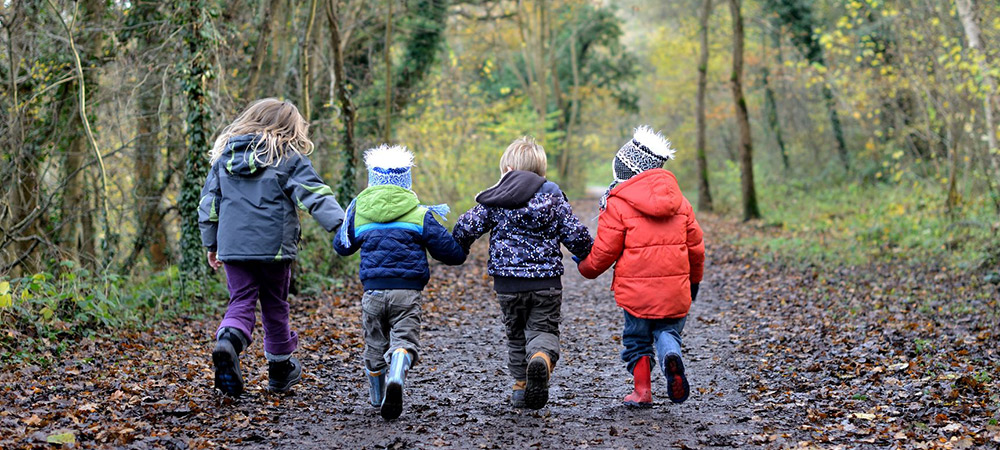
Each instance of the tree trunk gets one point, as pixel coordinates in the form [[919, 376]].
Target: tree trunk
[[704, 192], [21, 220], [305, 77], [387, 131], [260, 50], [196, 163], [75, 239], [750, 208], [284, 49], [838, 131], [967, 14], [797, 15], [565, 162], [771, 104], [346, 188], [77, 233], [952, 201], [149, 217], [534, 55]]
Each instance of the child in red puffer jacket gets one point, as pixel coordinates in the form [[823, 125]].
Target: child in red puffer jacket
[[648, 230]]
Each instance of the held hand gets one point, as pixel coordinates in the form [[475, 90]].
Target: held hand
[[213, 262], [694, 291]]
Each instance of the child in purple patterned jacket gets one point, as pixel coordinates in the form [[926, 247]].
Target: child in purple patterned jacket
[[527, 217]]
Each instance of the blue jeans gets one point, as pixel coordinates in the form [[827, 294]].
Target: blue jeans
[[641, 336]]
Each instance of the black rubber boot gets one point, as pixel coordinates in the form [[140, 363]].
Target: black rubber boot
[[283, 375], [226, 358]]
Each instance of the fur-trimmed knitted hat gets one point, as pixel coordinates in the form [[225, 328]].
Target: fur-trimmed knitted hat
[[646, 150], [389, 165]]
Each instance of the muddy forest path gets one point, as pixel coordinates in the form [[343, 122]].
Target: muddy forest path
[[458, 395], [779, 355]]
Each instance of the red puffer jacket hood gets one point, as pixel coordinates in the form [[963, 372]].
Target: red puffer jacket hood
[[654, 193], [649, 233]]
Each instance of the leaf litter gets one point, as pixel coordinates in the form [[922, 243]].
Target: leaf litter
[[779, 355]]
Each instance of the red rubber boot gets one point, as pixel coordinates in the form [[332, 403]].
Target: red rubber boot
[[642, 396]]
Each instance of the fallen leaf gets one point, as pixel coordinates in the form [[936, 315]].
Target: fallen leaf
[[61, 438]]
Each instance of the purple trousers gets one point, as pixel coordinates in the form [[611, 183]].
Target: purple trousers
[[268, 282]]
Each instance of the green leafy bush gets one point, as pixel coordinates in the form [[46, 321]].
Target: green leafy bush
[[73, 302]]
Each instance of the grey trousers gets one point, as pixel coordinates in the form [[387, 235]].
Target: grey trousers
[[391, 320], [532, 322]]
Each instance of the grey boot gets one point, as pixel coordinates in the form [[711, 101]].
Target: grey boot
[[282, 375], [392, 404]]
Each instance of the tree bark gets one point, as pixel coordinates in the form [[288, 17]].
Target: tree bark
[[797, 14], [21, 219], [80, 229], [750, 207], [771, 104], [149, 216], [387, 131], [533, 52], [306, 82], [193, 267], [838, 130], [967, 14], [260, 50], [346, 188], [704, 192], [565, 162], [953, 199]]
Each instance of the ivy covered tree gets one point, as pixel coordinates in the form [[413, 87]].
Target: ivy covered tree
[[199, 39]]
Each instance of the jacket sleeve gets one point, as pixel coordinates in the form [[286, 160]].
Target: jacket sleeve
[[440, 244], [608, 246], [572, 233], [208, 210], [345, 242], [471, 225], [311, 194], [695, 244]]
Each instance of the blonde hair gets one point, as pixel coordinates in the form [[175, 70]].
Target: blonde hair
[[278, 123], [524, 154]]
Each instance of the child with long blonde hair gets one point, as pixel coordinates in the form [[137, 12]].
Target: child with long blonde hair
[[260, 177]]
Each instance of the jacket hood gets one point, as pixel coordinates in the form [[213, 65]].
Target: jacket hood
[[385, 203], [653, 192], [514, 190], [239, 158]]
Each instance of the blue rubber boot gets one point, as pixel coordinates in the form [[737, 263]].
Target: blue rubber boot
[[392, 404], [376, 388]]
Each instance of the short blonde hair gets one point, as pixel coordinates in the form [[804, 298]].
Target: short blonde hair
[[524, 154], [278, 123]]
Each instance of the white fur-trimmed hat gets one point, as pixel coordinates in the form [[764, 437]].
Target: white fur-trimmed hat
[[389, 164], [646, 150]]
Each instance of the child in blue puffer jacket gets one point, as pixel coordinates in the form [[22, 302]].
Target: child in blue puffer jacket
[[394, 233], [527, 217], [248, 215]]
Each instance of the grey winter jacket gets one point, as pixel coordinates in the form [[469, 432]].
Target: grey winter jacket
[[248, 212]]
